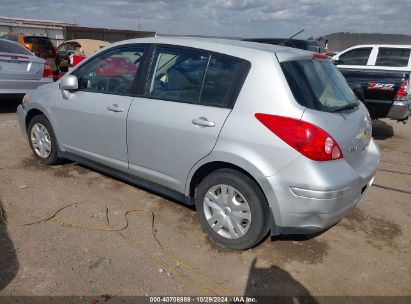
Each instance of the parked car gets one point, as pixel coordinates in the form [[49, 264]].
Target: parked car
[[71, 52], [303, 44], [20, 71], [380, 76], [259, 137], [39, 45]]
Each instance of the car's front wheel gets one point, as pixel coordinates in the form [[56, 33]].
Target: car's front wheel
[[42, 140], [232, 209]]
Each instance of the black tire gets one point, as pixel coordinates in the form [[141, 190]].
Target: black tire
[[259, 209], [52, 158]]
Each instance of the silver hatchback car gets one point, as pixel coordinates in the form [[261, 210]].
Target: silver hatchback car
[[259, 137]]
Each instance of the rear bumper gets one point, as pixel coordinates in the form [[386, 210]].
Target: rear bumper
[[312, 196], [21, 86], [400, 110]]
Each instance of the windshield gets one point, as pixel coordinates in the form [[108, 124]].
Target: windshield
[[317, 84]]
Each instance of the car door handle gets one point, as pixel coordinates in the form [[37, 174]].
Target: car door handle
[[115, 108], [203, 122]]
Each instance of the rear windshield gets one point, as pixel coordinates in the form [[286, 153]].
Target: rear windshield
[[38, 40], [13, 48], [317, 84]]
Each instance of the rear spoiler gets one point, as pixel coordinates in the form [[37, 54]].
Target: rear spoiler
[[292, 54]]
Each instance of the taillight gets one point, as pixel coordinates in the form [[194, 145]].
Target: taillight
[[308, 139], [47, 71], [402, 93], [320, 56]]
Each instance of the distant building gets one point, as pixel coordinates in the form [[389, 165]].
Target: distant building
[[52, 29], [59, 31]]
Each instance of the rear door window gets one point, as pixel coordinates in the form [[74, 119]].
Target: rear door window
[[317, 84], [394, 57], [13, 48], [356, 57], [177, 74], [220, 77]]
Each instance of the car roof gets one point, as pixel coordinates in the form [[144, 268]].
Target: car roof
[[384, 45], [27, 35], [226, 46]]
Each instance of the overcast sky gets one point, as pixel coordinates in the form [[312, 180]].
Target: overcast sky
[[240, 18]]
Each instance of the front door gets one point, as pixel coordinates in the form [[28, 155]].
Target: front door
[[92, 119]]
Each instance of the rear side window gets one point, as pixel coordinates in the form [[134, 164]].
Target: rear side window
[[177, 74], [356, 57], [317, 84], [13, 48], [395, 57], [220, 77]]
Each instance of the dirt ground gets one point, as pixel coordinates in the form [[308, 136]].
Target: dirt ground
[[366, 254]]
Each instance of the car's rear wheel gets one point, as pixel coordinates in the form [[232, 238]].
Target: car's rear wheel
[[42, 140], [232, 209]]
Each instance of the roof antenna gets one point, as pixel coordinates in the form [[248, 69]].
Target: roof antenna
[[285, 41]]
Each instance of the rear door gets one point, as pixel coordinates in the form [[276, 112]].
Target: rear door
[[17, 63], [178, 119]]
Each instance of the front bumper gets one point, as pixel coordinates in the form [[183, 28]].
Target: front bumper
[[400, 110], [311, 196], [21, 118]]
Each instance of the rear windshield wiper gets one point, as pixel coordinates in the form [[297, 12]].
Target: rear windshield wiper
[[348, 106]]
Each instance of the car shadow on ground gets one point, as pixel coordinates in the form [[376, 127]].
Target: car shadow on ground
[[275, 285], [9, 105], [8, 260], [381, 130]]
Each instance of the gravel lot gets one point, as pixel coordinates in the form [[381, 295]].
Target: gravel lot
[[367, 253]]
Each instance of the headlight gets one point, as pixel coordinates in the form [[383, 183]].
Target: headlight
[[26, 99]]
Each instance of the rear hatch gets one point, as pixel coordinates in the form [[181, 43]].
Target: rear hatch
[[41, 46], [330, 103], [18, 63]]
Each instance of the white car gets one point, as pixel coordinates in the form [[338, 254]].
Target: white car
[[380, 77]]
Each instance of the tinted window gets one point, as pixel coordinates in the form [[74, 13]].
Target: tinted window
[[37, 40], [317, 84], [393, 57], [177, 74], [356, 57], [112, 72], [220, 77], [13, 48]]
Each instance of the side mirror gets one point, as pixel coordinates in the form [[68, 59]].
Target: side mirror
[[69, 83]]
